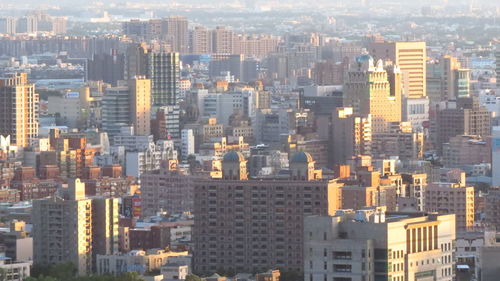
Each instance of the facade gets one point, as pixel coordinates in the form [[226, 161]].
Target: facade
[[466, 150], [140, 105], [260, 220], [495, 157], [351, 135], [447, 80], [163, 69], [452, 198], [19, 107], [73, 228], [368, 90], [134, 261], [187, 143], [410, 57], [461, 117], [15, 271], [371, 245], [167, 190], [115, 110]]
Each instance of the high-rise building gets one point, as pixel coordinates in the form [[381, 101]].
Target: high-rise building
[[106, 67], [74, 229], [261, 220], [19, 107], [465, 116], [368, 90], [410, 57], [178, 34], [351, 135], [371, 245], [115, 109], [447, 80], [128, 104], [222, 40], [495, 157], [27, 24], [497, 57], [140, 105], [8, 25], [164, 71], [201, 40]]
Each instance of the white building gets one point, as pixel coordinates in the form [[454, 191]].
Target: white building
[[14, 271], [416, 111], [368, 245], [138, 162], [187, 143]]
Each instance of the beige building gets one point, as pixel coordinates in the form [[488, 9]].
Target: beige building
[[371, 245], [74, 228], [411, 58], [201, 40], [245, 225], [452, 198], [140, 105], [368, 90], [19, 107]]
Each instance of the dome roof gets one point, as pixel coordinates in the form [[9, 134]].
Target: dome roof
[[301, 157], [233, 156]]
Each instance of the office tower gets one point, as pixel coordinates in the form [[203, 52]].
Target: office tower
[[164, 71], [452, 198], [73, 228], [177, 32], [222, 41], [368, 90], [495, 156], [260, 220], [351, 135], [447, 80], [115, 109], [187, 143], [371, 245], [465, 116], [140, 105], [108, 68], [8, 25], [19, 107], [410, 57], [201, 40]]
